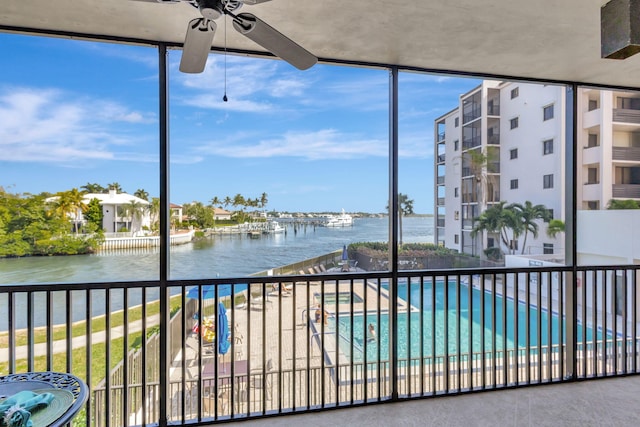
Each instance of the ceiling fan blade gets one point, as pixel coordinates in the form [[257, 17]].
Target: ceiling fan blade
[[274, 41], [197, 45], [254, 1]]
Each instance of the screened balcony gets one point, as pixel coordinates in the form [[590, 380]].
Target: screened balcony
[[281, 358]]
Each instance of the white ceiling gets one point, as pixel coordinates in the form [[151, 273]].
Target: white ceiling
[[540, 39]]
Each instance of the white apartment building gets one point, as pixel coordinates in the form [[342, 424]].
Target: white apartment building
[[521, 129]]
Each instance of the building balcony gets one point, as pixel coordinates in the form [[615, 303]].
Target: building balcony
[[493, 139], [626, 116], [441, 136], [631, 154], [440, 180], [441, 158], [471, 142], [299, 343], [493, 110], [441, 201], [626, 191]]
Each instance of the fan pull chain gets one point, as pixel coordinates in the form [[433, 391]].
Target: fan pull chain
[[224, 98]]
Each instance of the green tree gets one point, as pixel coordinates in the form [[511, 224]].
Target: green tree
[[154, 212], [529, 215], [555, 227], [263, 200], [405, 207], [500, 219], [93, 188], [134, 210], [94, 214], [142, 194], [70, 205], [115, 186]]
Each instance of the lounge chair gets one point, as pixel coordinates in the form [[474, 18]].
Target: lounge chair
[[276, 290]]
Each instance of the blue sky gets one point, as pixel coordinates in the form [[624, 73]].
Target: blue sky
[[74, 112]]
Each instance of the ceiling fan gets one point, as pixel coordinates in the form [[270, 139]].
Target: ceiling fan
[[200, 33]]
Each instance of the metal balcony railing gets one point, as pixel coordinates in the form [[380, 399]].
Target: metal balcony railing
[[626, 153], [626, 191], [308, 342], [626, 115]]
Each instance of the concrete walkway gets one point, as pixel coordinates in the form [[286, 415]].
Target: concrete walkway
[[60, 346]]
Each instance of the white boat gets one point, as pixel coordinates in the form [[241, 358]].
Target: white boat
[[275, 228], [342, 220]]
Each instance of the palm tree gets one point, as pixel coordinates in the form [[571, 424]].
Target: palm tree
[[480, 163], [93, 188], [227, 201], [263, 200], [142, 194], [154, 210], [134, 210], [115, 186], [555, 227], [499, 219], [71, 204], [528, 214], [405, 207]]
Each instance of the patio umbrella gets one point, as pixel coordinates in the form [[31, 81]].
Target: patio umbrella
[[223, 330], [209, 291]]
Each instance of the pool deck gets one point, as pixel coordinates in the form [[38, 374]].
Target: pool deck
[[284, 335]]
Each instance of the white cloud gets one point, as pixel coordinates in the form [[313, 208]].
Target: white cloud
[[252, 85], [48, 125], [319, 145]]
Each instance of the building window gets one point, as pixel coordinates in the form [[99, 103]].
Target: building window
[[547, 248], [628, 103], [456, 121], [456, 192], [514, 184], [547, 112], [456, 239], [456, 215], [547, 146], [491, 242], [593, 104], [547, 181], [513, 153], [514, 123], [456, 145], [593, 140], [515, 92], [592, 176]]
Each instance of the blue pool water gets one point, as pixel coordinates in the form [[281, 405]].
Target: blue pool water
[[410, 342]]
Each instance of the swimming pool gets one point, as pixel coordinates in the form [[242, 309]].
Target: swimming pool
[[410, 343]]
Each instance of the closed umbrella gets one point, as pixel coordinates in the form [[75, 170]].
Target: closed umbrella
[[223, 330], [345, 255]]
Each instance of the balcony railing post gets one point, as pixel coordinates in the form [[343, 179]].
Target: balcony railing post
[[393, 232], [570, 303]]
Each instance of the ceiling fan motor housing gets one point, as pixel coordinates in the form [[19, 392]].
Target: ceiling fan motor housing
[[211, 9]]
